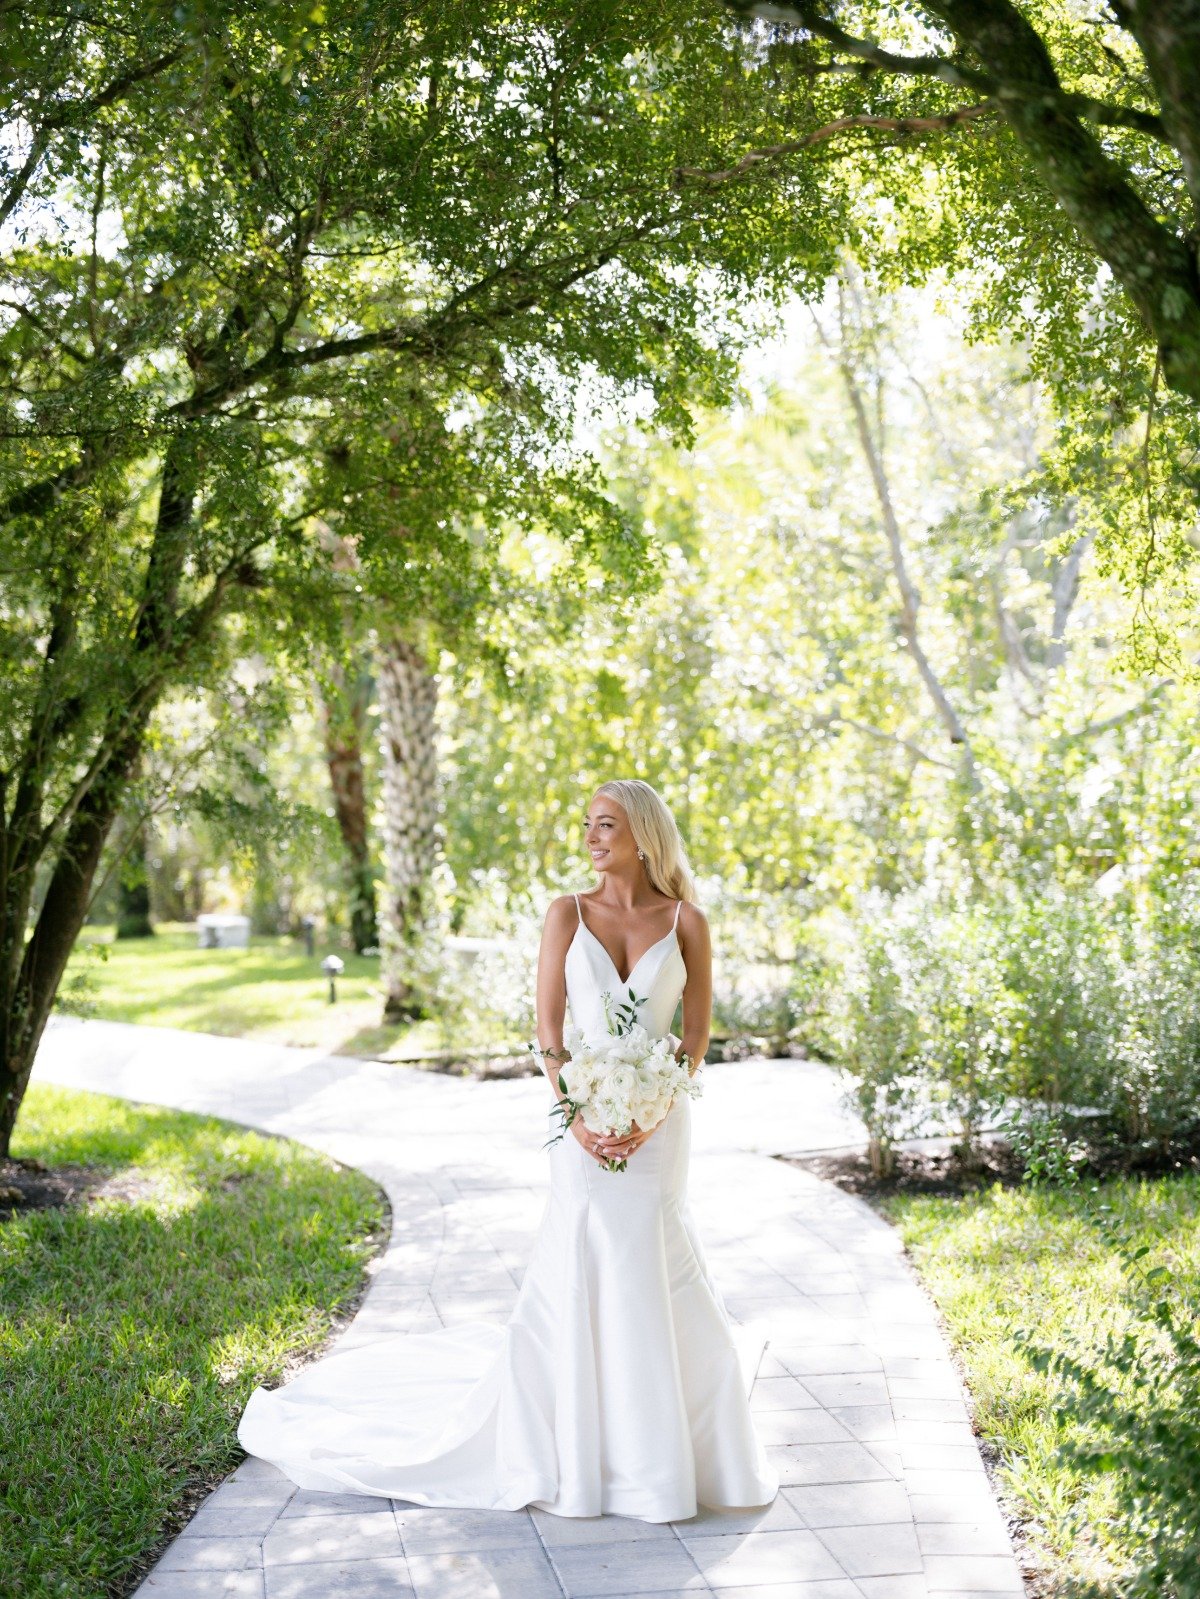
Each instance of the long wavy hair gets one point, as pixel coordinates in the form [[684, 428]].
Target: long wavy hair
[[655, 834]]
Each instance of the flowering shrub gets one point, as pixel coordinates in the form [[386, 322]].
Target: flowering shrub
[[1021, 1012]]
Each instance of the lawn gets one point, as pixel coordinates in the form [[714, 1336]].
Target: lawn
[[134, 1324], [272, 991], [1036, 1258]]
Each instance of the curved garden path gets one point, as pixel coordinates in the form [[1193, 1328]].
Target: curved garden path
[[884, 1496]]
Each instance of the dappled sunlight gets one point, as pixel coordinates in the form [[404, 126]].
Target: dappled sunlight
[[133, 1324], [1006, 1265]]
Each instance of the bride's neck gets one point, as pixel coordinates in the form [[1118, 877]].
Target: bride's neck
[[625, 892]]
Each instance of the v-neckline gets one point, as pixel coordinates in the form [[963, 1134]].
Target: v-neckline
[[625, 981]]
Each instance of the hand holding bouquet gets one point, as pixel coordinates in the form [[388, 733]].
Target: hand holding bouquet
[[624, 1079]]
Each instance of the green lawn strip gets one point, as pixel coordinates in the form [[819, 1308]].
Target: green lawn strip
[[1005, 1259], [134, 1326], [271, 990]]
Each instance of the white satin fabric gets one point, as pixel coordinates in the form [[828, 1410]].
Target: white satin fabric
[[617, 1385]]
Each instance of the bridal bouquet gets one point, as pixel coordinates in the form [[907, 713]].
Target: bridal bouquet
[[621, 1079]]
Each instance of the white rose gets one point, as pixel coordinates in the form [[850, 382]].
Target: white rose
[[655, 1111]]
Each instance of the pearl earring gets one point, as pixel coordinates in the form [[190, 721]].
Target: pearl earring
[[641, 856]]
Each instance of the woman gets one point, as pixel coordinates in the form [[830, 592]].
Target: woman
[[616, 1386]]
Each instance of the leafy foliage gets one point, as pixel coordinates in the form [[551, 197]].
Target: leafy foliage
[[1135, 1397], [1101, 1473]]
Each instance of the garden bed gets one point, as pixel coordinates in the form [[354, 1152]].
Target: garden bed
[[931, 1166]]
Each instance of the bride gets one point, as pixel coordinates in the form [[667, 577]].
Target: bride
[[616, 1387]]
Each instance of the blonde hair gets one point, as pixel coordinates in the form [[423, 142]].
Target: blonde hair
[[656, 835]]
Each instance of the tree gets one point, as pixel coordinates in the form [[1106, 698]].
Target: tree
[[769, 687], [257, 260], [1091, 102], [1049, 154]]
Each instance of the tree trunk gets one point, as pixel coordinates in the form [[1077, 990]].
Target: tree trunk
[[33, 970], [343, 710], [910, 599], [133, 891], [57, 927], [407, 705]]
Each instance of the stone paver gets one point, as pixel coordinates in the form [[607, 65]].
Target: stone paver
[[884, 1493]]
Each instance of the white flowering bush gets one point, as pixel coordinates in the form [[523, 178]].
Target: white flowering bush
[[1028, 1011]]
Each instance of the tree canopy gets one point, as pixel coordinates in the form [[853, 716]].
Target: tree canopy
[[270, 271], [1047, 155]]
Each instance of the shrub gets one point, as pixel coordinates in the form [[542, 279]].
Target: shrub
[[1020, 1012], [874, 1026], [1137, 1398], [1156, 1043], [1061, 972], [966, 1015]]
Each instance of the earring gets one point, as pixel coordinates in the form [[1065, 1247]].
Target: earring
[[641, 856]]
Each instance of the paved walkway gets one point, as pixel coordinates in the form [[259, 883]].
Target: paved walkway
[[884, 1496]]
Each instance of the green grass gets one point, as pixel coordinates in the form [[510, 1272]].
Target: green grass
[[272, 991], [1010, 1258], [134, 1326]]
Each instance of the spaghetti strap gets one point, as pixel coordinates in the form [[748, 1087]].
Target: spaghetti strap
[[579, 907], [675, 923]]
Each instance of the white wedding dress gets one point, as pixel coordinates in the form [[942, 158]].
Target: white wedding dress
[[617, 1386]]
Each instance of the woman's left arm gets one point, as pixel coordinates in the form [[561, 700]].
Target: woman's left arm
[[697, 994]]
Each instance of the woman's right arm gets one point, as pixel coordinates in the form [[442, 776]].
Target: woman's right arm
[[557, 932]]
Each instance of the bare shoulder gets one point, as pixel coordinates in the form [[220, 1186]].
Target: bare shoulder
[[692, 921], [559, 912]]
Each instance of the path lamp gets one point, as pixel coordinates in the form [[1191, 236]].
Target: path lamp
[[333, 967]]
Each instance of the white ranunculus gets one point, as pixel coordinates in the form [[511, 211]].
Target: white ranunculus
[[647, 1080], [578, 1079], [593, 1117], [622, 1083], [646, 1114]]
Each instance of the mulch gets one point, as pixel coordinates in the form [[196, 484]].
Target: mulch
[[28, 1184], [941, 1171]]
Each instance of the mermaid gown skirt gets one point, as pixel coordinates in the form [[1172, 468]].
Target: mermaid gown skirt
[[618, 1385]]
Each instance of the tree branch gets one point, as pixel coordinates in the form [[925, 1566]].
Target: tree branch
[[813, 18], [833, 718], [72, 115], [35, 321], [1063, 591], [433, 335], [753, 158], [909, 598], [872, 58], [1154, 264]]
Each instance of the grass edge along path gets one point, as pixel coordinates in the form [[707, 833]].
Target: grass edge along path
[[1019, 1270], [134, 1325]]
